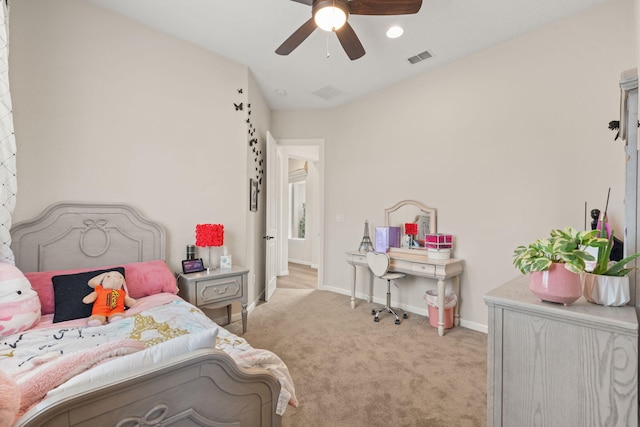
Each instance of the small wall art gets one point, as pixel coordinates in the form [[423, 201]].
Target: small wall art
[[253, 195]]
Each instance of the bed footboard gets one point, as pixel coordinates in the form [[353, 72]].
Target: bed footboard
[[204, 388]]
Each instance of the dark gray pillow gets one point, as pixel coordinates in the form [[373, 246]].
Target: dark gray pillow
[[68, 291]]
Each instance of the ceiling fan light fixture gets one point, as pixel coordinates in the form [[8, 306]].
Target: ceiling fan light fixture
[[330, 15]]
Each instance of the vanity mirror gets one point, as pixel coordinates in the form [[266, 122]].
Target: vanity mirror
[[412, 211]]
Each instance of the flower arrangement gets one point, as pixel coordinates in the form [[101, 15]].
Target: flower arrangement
[[209, 235]]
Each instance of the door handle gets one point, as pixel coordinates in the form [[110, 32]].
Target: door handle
[[268, 237]]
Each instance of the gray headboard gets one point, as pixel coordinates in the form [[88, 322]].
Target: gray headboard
[[70, 235]]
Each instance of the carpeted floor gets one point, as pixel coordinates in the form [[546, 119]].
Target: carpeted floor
[[351, 372]]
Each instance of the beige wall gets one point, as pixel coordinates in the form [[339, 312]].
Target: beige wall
[[260, 119], [108, 110], [506, 144]]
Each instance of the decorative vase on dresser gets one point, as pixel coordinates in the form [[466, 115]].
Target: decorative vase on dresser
[[606, 290], [557, 284], [559, 366]]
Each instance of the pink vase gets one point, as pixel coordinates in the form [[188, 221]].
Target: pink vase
[[556, 284]]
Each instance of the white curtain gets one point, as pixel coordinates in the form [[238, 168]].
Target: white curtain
[[8, 181]]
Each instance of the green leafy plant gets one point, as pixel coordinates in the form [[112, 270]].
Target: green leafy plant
[[604, 267], [566, 246]]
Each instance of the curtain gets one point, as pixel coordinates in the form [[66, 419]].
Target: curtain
[[8, 181]]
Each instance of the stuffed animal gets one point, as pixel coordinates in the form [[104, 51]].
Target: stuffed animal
[[19, 303], [109, 298]]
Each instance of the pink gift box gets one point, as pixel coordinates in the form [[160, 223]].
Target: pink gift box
[[438, 241], [387, 237]]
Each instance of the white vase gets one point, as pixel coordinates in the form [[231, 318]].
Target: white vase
[[605, 290]]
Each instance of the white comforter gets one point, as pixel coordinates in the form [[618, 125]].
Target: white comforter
[[55, 357]]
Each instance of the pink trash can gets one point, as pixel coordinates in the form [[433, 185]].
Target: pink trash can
[[448, 317], [450, 300]]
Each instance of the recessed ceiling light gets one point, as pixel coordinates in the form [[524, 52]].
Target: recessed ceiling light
[[281, 92], [394, 32]]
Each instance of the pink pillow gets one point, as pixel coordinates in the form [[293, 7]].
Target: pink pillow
[[143, 279], [149, 278]]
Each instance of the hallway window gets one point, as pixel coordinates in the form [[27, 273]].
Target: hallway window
[[297, 198], [297, 209]]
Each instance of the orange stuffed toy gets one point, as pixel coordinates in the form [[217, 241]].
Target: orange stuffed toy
[[109, 298]]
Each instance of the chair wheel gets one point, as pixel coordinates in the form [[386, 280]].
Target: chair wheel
[[376, 319], [373, 311], [397, 321], [405, 316]]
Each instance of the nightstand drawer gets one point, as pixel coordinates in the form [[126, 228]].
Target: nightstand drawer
[[217, 290]]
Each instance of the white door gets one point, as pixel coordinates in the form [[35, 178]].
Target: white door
[[271, 253]]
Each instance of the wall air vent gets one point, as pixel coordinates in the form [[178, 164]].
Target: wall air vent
[[420, 57]]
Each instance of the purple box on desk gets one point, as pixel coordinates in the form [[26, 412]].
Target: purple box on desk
[[387, 237]]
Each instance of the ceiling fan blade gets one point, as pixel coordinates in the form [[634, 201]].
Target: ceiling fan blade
[[307, 2], [350, 42], [384, 7], [296, 38]]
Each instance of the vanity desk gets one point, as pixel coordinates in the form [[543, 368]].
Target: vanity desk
[[413, 264]]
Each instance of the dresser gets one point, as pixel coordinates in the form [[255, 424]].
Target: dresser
[[554, 365], [216, 288]]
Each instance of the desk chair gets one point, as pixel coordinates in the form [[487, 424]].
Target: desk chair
[[379, 264]]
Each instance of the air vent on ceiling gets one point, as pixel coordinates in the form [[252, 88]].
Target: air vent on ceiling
[[420, 57], [327, 93]]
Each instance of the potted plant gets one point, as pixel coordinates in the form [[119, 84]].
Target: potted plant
[[555, 263], [607, 283]]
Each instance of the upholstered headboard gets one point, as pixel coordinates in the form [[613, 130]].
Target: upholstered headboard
[[71, 235]]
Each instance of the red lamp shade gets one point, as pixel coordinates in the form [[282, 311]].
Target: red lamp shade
[[209, 235], [411, 228]]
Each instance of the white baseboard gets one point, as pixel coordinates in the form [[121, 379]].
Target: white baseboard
[[474, 326], [307, 263], [301, 262]]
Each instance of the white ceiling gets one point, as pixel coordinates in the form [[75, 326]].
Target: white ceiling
[[249, 31]]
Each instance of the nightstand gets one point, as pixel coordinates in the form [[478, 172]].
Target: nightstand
[[216, 288]]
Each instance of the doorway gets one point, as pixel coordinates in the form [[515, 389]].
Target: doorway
[[300, 202]]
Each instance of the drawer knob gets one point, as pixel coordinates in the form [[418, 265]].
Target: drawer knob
[[221, 291]]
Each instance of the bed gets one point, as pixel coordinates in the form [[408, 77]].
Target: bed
[[178, 371]]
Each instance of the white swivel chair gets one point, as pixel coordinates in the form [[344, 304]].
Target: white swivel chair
[[379, 264]]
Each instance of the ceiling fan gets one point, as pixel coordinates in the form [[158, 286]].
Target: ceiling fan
[[332, 15]]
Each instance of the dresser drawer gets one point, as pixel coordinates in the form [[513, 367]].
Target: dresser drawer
[[218, 290]]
